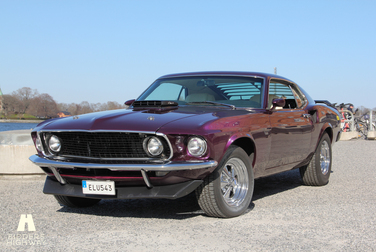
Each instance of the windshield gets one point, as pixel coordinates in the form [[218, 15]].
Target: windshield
[[238, 91]]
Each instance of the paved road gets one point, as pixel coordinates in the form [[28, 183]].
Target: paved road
[[284, 216]]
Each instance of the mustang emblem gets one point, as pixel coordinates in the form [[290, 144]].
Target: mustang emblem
[[151, 118]]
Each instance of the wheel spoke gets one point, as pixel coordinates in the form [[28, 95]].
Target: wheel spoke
[[227, 192], [227, 173], [325, 157]]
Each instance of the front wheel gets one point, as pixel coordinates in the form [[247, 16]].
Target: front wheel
[[75, 201], [317, 172], [227, 192]]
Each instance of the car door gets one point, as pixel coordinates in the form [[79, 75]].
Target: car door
[[291, 126]]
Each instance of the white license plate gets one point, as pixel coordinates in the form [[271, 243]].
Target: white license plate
[[98, 187]]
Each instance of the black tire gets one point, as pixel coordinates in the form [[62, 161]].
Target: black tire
[[75, 201], [317, 172], [232, 197]]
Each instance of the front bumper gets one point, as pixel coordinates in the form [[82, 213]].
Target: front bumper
[[166, 192], [54, 165], [169, 166]]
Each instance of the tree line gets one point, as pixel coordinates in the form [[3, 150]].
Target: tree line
[[29, 101]]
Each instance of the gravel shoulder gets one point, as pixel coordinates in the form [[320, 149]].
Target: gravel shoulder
[[284, 216]]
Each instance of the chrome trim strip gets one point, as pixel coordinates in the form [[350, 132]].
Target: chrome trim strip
[[67, 157], [168, 142], [169, 166], [229, 74], [114, 131]]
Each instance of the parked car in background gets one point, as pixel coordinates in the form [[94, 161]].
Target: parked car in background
[[209, 132]]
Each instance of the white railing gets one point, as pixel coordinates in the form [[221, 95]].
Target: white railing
[[369, 119], [371, 126], [362, 126]]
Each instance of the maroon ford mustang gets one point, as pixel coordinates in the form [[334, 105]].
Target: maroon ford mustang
[[209, 132]]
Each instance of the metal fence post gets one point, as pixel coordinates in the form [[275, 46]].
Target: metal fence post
[[352, 123], [370, 121], [371, 135]]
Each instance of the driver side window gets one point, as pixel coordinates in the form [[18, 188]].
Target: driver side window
[[279, 89]]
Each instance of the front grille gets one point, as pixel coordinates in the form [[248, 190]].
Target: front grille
[[104, 145]]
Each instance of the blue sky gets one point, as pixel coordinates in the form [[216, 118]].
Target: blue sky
[[99, 51]]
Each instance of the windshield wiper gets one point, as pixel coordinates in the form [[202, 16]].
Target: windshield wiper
[[214, 103]]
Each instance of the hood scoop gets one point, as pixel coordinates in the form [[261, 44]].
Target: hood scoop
[[154, 104]]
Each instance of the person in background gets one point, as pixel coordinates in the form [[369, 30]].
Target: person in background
[[350, 108], [345, 125]]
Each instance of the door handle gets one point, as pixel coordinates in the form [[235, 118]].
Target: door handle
[[306, 116]]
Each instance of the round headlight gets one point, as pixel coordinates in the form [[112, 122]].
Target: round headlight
[[54, 144], [154, 146], [196, 146]]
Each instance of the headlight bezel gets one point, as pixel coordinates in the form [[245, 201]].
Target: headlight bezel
[[55, 146], [197, 146], [153, 146], [38, 143]]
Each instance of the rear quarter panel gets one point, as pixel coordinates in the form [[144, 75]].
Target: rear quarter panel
[[327, 121]]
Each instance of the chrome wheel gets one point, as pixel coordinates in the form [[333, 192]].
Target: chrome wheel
[[234, 182], [325, 157], [227, 191]]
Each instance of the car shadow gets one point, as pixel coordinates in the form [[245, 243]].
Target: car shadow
[[186, 207], [278, 183], [182, 208]]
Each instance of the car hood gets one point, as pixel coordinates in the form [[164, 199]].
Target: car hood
[[149, 120]]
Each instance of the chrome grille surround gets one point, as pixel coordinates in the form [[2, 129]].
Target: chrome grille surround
[[103, 145]]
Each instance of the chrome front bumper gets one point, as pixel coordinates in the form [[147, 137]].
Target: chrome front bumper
[[169, 166], [143, 168]]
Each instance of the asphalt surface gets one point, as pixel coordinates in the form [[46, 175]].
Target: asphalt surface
[[284, 216]]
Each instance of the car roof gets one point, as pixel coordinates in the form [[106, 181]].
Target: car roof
[[224, 73]]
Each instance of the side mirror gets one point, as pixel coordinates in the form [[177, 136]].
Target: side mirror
[[129, 103], [278, 102]]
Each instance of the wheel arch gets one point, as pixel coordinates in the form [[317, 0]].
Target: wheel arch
[[326, 129], [247, 144], [329, 130]]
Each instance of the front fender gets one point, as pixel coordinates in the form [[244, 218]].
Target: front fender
[[243, 140]]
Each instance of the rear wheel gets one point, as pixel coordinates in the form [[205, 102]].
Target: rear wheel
[[317, 172], [75, 201], [227, 192]]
